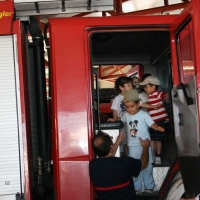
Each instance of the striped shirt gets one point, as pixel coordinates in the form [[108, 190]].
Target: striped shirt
[[160, 114]]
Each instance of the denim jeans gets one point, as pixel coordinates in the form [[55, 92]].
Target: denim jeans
[[146, 175]]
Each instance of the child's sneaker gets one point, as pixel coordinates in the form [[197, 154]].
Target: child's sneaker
[[149, 191], [138, 191], [157, 160]]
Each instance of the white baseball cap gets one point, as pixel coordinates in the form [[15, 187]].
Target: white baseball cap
[[150, 79]]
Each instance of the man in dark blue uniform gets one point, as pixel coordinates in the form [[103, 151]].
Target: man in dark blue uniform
[[112, 176]]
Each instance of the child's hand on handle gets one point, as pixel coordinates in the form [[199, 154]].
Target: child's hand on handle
[[111, 120]]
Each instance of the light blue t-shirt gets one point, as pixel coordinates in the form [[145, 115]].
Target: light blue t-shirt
[[137, 126]]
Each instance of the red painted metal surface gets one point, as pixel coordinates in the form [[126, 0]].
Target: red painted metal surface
[[25, 112], [191, 11], [186, 54], [72, 117], [190, 16], [6, 17], [185, 15], [105, 107]]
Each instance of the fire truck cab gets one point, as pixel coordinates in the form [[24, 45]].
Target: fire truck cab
[[46, 146]]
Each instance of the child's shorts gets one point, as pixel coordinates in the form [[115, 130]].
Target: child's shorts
[[157, 135]]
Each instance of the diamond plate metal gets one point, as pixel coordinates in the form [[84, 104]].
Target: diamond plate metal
[[159, 174]]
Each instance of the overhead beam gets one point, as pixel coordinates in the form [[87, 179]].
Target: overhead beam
[[113, 77], [103, 71], [82, 14], [152, 10]]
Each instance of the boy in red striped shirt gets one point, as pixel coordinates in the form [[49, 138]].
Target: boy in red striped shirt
[[160, 116]]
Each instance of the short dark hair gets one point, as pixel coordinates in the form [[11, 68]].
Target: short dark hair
[[153, 84], [101, 144], [136, 101], [121, 81], [143, 77]]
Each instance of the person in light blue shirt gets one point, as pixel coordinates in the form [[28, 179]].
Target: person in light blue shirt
[[137, 124]]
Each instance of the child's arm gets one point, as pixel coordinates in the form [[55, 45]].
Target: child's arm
[[115, 114], [120, 138], [146, 105], [166, 97], [156, 127], [114, 119]]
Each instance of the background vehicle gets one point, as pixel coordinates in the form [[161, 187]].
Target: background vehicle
[[80, 49]]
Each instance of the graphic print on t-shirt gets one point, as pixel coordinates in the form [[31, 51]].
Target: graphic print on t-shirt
[[133, 129]]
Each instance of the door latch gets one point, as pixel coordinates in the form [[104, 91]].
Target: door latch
[[180, 115]]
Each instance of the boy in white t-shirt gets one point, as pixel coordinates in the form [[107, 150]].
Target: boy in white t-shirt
[[121, 84]]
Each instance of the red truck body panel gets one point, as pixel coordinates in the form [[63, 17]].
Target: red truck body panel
[[6, 17], [25, 112]]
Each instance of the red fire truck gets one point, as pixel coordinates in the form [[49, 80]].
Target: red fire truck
[[45, 148]]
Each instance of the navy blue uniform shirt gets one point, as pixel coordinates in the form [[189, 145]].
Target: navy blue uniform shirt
[[112, 177]]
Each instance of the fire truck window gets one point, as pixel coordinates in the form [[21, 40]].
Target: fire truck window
[[185, 53], [104, 77]]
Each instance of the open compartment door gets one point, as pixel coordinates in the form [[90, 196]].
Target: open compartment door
[[185, 94]]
